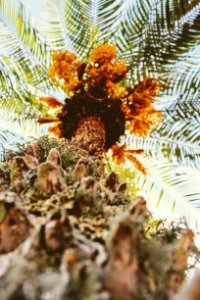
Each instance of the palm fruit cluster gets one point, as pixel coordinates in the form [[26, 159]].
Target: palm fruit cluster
[[99, 96], [68, 230]]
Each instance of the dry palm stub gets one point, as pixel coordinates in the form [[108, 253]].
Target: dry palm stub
[[14, 223], [190, 291], [98, 98]]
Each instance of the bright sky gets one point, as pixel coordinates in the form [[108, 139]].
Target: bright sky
[[36, 6]]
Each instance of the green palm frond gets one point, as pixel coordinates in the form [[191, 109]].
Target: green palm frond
[[184, 77], [174, 185], [179, 132], [172, 158], [9, 140], [53, 26], [97, 20], [179, 151], [157, 38], [23, 64], [23, 68], [173, 169], [14, 16]]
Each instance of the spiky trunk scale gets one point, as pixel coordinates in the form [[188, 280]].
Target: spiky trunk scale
[[65, 196], [70, 205]]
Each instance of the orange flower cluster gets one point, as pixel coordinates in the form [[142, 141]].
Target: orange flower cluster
[[103, 71], [120, 154], [103, 54], [66, 70], [54, 104], [46, 120], [51, 102], [147, 121], [115, 91], [139, 110], [104, 68], [98, 89], [56, 130]]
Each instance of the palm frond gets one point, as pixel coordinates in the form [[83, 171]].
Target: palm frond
[[172, 191], [52, 26], [99, 20], [181, 151], [24, 130], [155, 34], [79, 32], [14, 16], [184, 77], [23, 72], [19, 64], [9, 140], [173, 170]]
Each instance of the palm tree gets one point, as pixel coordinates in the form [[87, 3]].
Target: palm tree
[[157, 39]]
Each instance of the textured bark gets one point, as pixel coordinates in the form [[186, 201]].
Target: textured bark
[[90, 135], [70, 231]]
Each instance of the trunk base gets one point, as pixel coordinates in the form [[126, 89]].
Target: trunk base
[[90, 135]]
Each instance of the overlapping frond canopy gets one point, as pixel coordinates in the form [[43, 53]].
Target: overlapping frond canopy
[[158, 38]]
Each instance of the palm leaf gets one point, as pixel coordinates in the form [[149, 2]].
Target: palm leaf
[[177, 187], [52, 26], [23, 69], [172, 159], [8, 141], [14, 16]]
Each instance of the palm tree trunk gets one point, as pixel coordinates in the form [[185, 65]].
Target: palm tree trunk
[[55, 212], [90, 135]]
